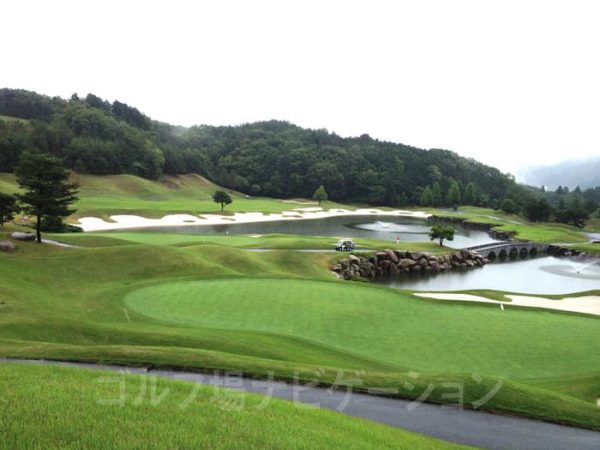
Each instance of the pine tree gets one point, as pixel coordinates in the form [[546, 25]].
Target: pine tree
[[48, 193], [427, 197], [454, 194], [8, 207], [436, 192], [470, 197]]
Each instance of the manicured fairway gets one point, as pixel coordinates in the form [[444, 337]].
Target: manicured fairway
[[384, 324], [50, 407], [72, 304], [267, 241]]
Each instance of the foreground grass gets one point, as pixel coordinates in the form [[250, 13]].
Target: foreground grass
[[179, 416]]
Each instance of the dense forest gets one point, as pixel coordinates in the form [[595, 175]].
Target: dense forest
[[271, 158], [562, 205]]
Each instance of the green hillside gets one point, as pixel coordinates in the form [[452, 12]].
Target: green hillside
[[271, 158], [102, 196], [82, 416]]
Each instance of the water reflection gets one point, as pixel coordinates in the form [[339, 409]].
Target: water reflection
[[542, 275], [588, 271], [384, 228]]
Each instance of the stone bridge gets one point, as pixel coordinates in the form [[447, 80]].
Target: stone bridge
[[511, 249]]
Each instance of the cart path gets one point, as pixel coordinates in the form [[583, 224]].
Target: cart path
[[461, 426]]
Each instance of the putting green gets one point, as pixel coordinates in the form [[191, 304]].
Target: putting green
[[384, 324]]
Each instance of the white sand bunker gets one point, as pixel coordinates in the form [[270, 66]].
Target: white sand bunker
[[589, 304], [123, 222], [312, 209], [298, 202]]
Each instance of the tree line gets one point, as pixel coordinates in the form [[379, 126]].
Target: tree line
[[271, 158], [562, 206]]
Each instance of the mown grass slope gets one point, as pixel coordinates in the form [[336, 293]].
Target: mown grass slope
[[285, 312], [103, 196], [57, 407]]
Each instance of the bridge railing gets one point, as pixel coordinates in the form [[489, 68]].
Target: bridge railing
[[497, 244]]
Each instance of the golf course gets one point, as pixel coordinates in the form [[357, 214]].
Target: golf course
[[263, 307]]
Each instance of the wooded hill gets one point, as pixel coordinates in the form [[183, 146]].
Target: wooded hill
[[272, 158]]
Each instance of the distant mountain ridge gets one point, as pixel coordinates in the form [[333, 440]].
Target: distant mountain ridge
[[584, 173]]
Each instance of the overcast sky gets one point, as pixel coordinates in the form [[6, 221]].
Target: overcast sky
[[510, 83]]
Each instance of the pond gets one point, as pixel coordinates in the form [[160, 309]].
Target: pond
[[593, 236], [384, 228], [541, 275]]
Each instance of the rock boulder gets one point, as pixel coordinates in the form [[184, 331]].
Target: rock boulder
[[20, 236], [7, 246]]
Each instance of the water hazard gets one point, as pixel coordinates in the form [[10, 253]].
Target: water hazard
[[384, 228], [541, 275]]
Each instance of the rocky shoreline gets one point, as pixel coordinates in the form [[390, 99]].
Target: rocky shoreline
[[389, 263]]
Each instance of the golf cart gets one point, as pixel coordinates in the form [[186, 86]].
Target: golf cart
[[344, 245]]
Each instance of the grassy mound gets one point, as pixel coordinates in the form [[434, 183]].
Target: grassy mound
[[81, 410]]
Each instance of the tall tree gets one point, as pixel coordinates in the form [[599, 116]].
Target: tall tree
[[436, 194], [320, 194], [48, 194], [574, 213], [453, 194], [426, 197], [8, 207], [470, 197], [537, 210], [223, 198], [509, 206]]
